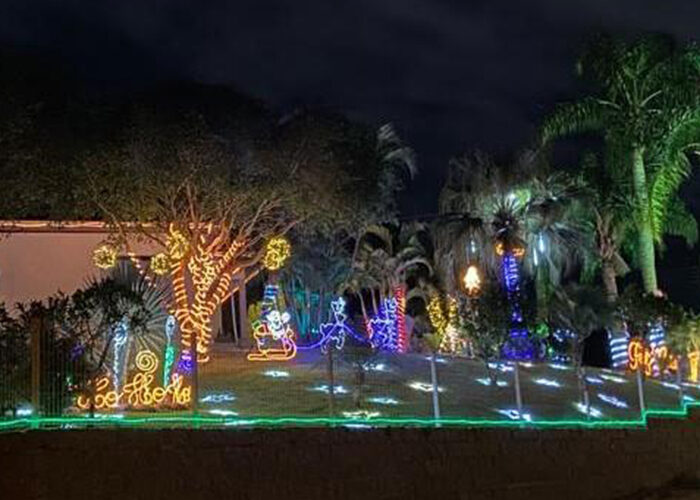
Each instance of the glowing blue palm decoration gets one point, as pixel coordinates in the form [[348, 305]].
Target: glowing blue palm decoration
[[519, 346]]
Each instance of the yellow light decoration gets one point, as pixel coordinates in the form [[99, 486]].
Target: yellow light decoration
[[139, 392], [176, 244], [693, 362], [105, 257], [472, 281], [274, 332], [160, 264], [436, 316], [277, 252], [517, 251], [451, 342], [641, 357]]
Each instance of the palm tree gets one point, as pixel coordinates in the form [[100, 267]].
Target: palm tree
[[647, 94]]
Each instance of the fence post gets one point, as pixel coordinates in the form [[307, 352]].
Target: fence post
[[640, 393], [436, 392], [35, 331], [516, 381], [679, 381]]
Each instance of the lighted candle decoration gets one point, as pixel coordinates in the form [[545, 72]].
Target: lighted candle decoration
[[139, 392]]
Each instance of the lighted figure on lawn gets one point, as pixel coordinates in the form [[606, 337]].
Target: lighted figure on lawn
[[121, 335], [139, 392], [169, 353], [335, 332], [387, 330], [274, 338]]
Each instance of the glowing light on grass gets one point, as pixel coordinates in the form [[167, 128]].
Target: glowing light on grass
[[423, 387], [613, 378], [670, 385], [594, 412], [338, 389], [547, 382], [220, 397], [276, 374], [501, 367], [594, 380], [377, 367], [557, 366], [223, 413], [383, 400], [24, 412], [487, 382], [361, 414], [612, 400], [513, 414]]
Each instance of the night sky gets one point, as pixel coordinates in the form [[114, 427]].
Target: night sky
[[452, 76]]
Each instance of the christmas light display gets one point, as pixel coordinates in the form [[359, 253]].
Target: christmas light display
[[617, 346], [613, 378], [519, 345], [276, 374], [184, 365], [487, 382], [423, 387], [612, 400], [472, 281], [274, 338], [223, 413], [105, 257], [513, 414], [277, 251], [649, 359], [382, 329], [383, 400], [218, 397], [160, 264], [121, 335], [361, 414], [591, 411], [693, 361], [547, 382], [139, 392], [170, 351], [594, 380], [338, 389], [401, 338], [336, 331]]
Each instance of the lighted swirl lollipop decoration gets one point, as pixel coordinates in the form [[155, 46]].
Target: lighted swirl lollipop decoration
[[146, 361], [105, 257], [277, 251]]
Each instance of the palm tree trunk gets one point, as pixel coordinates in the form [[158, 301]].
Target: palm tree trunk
[[542, 292], [645, 235], [609, 281]]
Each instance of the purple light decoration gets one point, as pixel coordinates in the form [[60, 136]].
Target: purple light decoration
[[519, 346], [184, 365]]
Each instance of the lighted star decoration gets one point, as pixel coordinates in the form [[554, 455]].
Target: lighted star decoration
[[277, 252], [105, 257]]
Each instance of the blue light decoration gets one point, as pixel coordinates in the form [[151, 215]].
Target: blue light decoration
[[121, 335], [519, 346], [382, 328], [618, 344], [184, 365], [559, 345], [334, 332], [170, 351], [594, 380]]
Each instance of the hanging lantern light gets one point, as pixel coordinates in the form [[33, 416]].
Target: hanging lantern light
[[472, 280]]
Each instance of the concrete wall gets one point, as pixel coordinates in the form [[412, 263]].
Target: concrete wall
[[330, 464]]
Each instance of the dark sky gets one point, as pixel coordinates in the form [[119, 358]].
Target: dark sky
[[451, 75]]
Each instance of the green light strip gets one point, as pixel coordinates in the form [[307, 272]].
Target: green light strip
[[198, 421]]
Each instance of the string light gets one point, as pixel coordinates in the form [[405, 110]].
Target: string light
[[402, 339], [277, 251], [139, 392], [613, 378], [519, 346], [618, 346], [121, 333], [170, 352], [105, 257]]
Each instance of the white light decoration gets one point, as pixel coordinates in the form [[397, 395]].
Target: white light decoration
[[361, 414], [594, 412], [613, 378], [612, 400], [526, 365], [276, 374], [670, 385], [594, 380], [423, 387], [687, 398], [24, 411], [338, 389], [377, 367], [438, 359], [382, 400], [618, 346], [218, 398], [514, 414], [223, 413], [501, 367], [487, 382], [547, 382], [472, 280], [557, 366]]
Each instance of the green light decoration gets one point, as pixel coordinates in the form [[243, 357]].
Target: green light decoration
[[198, 421]]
